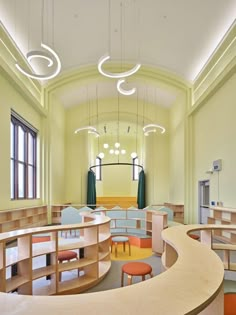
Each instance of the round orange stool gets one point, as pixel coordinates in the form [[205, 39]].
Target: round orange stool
[[135, 269], [229, 303], [66, 255]]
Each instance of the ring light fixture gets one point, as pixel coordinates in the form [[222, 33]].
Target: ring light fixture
[[115, 75], [90, 129], [151, 127], [42, 55], [122, 91]]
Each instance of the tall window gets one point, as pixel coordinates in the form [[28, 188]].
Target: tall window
[[98, 168], [135, 168], [23, 159]]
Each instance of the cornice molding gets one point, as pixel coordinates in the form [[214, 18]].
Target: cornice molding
[[10, 53], [221, 62]]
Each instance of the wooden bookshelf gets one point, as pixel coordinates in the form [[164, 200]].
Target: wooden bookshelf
[[94, 239], [225, 216], [22, 218]]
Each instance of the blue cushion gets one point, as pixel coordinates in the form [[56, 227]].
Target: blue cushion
[[119, 239]]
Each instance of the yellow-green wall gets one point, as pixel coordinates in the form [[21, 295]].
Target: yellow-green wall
[[176, 153], [12, 99], [214, 132]]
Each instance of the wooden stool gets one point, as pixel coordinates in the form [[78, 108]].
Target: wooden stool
[[66, 255], [230, 303], [120, 239], [135, 269]]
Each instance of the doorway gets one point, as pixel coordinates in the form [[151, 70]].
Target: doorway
[[203, 201]]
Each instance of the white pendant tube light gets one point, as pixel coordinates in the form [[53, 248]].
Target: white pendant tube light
[[40, 54], [51, 57], [151, 127], [122, 91], [118, 75], [94, 132], [103, 59], [105, 145], [89, 128]]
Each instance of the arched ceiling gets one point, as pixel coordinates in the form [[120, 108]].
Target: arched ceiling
[[176, 37]]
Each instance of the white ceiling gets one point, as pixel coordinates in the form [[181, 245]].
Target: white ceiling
[[174, 35]]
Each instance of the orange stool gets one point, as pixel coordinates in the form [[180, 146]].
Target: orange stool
[[66, 255], [135, 269], [229, 303]]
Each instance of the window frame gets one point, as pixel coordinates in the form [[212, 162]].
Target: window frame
[[28, 162], [98, 172], [135, 168]]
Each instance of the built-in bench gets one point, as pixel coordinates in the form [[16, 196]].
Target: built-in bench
[[121, 201]]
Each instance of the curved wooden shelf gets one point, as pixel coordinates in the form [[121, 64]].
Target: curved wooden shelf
[[192, 284], [94, 241]]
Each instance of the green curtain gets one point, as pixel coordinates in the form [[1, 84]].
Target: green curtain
[[141, 190], [91, 189]]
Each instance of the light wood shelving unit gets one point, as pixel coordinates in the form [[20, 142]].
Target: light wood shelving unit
[[94, 239], [178, 210], [156, 222], [187, 274], [226, 216], [22, 218]]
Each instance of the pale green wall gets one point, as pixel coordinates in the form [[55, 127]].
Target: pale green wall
[[57, 151], [157, 158], [214, 132], [76, 157], [176, 153], [11, 99]]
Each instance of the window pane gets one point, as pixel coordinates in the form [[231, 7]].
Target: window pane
[[12, 140], [98, 169], [21, 143], [30, 182], [23, 160], [12, 179], [30, 149], [21, 182], [135, 169]]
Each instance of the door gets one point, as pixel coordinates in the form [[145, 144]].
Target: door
[[204, 200]]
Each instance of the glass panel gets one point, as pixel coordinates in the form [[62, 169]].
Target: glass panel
[[21, 181], [136, 168], [12, 179], [21, 143], [98, 169], [12, 140], [30, 182], [30, 149]]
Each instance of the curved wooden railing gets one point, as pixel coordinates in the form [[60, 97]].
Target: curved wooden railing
[[191, 284]]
